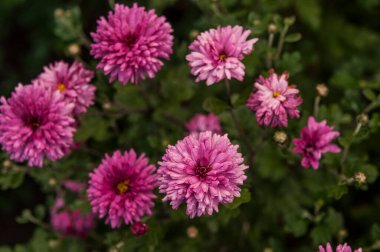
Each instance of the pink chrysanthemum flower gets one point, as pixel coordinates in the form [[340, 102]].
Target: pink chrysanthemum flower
[[73, 186], [200, 123], [73, 81], [340, 248], [70, 222], [202, 170], [121, 188], [274, 100], [36, 123], [217, 53], [132, 43], [315, 140]]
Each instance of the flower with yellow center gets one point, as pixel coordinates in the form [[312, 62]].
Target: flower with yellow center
[[61, 87], [222, 57], [276, 94], [123, 186]]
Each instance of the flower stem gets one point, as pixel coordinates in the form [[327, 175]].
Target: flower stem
[[111, 3], [235, 121], [316, 105], [347, 148], [269, 52], [280, 44]]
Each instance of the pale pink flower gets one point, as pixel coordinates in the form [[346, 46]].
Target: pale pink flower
[[339, 248], [132, 43], [200, 123], [202, 170], [274, 100], [216, 54]]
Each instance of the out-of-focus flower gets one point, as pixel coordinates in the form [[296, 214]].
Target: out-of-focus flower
[[274, 100], [139, 228], [70, 222], [216, 54], [73, 49], [280, 137], [322, 89], [339, 248], [35, 123], [73, 81], [192, 232], [131, 43], [73, 186], [201, 170], [200, 123], [315, 140], [360, 178], [120, 189]]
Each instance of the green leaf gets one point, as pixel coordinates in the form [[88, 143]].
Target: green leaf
[[371, 172], [309, 12], [293, 37], [369, 94], [11, 179], [68, 25], [215, 105], [245, 197], [92, 127], [295, 225]]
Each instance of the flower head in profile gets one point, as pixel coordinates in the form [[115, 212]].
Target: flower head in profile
[[202, 170], [73, 81], [131, 43], [70, 222], [35, 123], [200, 123], [315, 140], [274, 100], [120, 189], [339, 248], [216, 54]]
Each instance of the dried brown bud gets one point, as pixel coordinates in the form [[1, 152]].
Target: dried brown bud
[[272, 28], [192, 232], [268, 250], [360, 178], [362, 118], [58, 12], [280, 137], [7, 164], [52, 182], [342, 233], [107, 106], [193, 34], [322, 89]]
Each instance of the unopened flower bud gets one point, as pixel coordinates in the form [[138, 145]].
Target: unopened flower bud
[[139, 229], [256, 22], [193, 34], [107, 106], [52, 182], [342, 233], [280, 137], [272, 28], [7, 164], [362, 118], [192, 232], [360, 178], [53, 243], [322, 89], [73, 49], [58, 12], [268, 250]]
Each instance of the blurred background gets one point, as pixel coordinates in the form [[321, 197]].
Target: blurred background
[[336, 42]]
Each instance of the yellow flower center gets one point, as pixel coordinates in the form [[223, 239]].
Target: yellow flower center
[[61, 87], [123, 186], [222, 57], [276, 94]]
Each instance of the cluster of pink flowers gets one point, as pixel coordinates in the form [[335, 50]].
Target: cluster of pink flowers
[[38, 120], [70, 222], [339, 248]]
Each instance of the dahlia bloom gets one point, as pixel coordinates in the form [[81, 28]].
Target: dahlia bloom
[[315, 140], [200, 123], [70, 222], [340, 248], [121, 188], [131, 43], [274, 100], [36, 123], [72, 81], [202, 170], [217, 53]]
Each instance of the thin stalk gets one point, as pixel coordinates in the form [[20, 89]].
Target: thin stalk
[[111, 3], [281, 43], [316, 105], [145, 95], [269, 52], [235, 121], [347, 148]]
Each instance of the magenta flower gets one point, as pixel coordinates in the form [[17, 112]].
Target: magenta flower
[[121, 188], [36, 123], [340, 248], [315, 140], [132, 43], [70, 222], [202, 170], [274, 100], [217, 53], [72, 81], [73, 186], [200, 123]]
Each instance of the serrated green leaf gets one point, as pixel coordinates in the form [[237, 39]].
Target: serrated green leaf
[[369, 94], [293, 37]]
